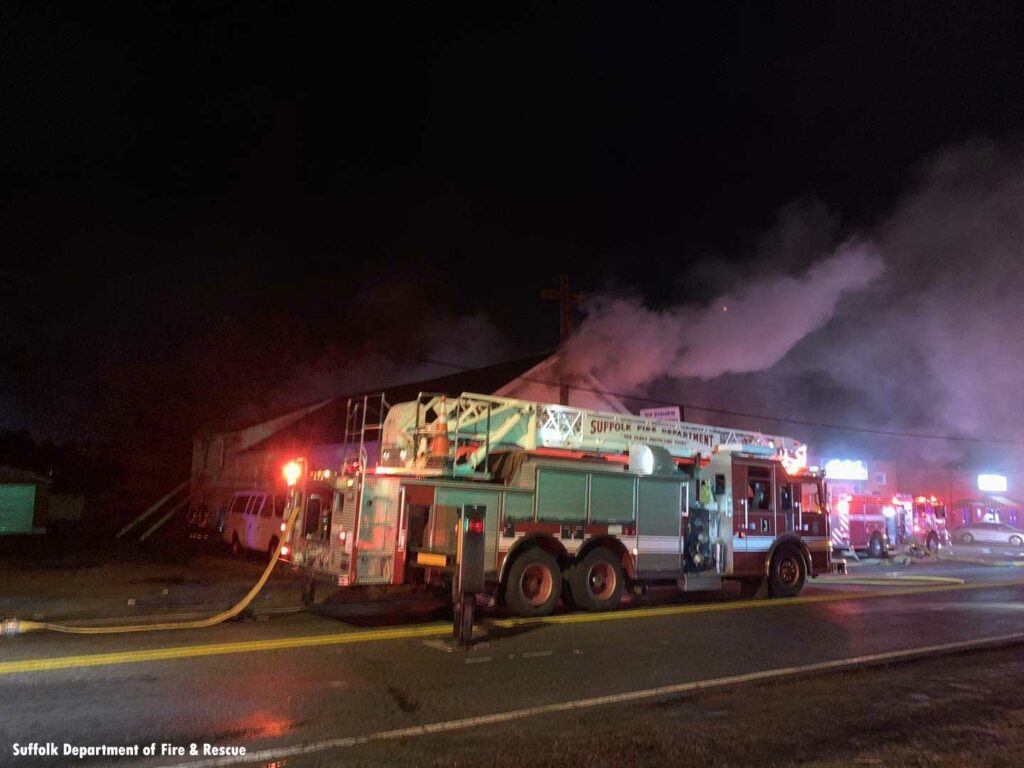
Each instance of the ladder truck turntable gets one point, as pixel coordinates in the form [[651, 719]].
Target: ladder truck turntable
[[577, 504]]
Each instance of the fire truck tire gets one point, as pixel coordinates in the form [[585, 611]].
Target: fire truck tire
[[271, 548], [787, 572], [876, 546], [597, 581], [236, 545], [932, 543], [533, 584]]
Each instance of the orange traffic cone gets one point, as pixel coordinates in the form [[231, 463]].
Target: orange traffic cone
[[440, 445]]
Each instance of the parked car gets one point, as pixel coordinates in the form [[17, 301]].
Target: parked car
[[989, 533]]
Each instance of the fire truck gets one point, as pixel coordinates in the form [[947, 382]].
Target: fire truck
[[577, 505], [877, 524], [863, 523], [921, 522]]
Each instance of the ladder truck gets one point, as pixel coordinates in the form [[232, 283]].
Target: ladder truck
[[573, 505]]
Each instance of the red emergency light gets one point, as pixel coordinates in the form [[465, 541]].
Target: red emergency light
[[475, 525], [292, 472]]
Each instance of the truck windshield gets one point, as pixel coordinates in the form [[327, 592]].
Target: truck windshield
[[810, 499]]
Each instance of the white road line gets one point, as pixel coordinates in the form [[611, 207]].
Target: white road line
[[269, 755], [478, 660], [536, 654]]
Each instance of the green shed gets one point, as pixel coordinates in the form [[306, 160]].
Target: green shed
[[23, 501]]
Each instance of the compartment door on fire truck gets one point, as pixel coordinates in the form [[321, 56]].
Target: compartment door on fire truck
[[457, 499], [753, 521], [659, 525], [377, 537]]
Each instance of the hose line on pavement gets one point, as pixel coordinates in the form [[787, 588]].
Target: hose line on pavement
[[13, 627]]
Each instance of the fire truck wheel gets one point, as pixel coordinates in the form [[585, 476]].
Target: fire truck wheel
[[236, 545], [876, 547], [932, 543], [271, 548], [597, 581], [787, 573], [534, 584]]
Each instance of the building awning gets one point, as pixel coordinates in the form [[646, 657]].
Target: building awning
[[1003, 501]]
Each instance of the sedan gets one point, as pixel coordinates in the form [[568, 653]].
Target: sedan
[[989, 533]]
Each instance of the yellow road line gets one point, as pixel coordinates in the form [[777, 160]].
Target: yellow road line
[[886, 581], [217, 649], [436, 630]]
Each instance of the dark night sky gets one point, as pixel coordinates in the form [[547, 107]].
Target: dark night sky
[[200, 199]]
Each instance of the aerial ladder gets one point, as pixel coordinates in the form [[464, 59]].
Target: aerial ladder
[[440, 435]]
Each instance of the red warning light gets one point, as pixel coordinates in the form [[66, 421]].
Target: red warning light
[[475, 525], [292, 472]]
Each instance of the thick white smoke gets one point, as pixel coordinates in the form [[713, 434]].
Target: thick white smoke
[[747, 329], [933, 345]]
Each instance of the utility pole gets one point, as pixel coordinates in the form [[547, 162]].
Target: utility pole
[[566, 300]]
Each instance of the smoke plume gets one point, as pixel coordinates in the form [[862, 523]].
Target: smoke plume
[[750, 328], [931, 344]]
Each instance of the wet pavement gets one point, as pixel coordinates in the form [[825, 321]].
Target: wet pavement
[[298, 682]]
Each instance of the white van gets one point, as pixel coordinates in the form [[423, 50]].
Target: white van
[[254, 521]]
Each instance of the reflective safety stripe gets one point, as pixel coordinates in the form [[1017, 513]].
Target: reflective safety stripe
[[429, 558]]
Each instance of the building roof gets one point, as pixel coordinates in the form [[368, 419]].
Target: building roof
[[325, 425], [541, 384], [23, 476]]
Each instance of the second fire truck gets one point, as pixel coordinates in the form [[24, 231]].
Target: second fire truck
[[876, 524], [577, 505]]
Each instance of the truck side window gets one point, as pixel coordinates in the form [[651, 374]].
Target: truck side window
[[760, 487], [786, 497], [809, 500], [313, 512]]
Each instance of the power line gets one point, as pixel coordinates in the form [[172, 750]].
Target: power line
[[737, 414]]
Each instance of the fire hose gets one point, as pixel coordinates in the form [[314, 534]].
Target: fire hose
[[13, 627]]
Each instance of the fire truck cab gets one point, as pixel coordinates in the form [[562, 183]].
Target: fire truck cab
[[578, 505], [921, 522]]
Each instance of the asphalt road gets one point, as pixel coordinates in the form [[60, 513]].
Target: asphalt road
[[307, 690]]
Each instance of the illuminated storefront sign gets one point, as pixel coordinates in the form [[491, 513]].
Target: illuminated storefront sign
[[846, 469], [992, 483]]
